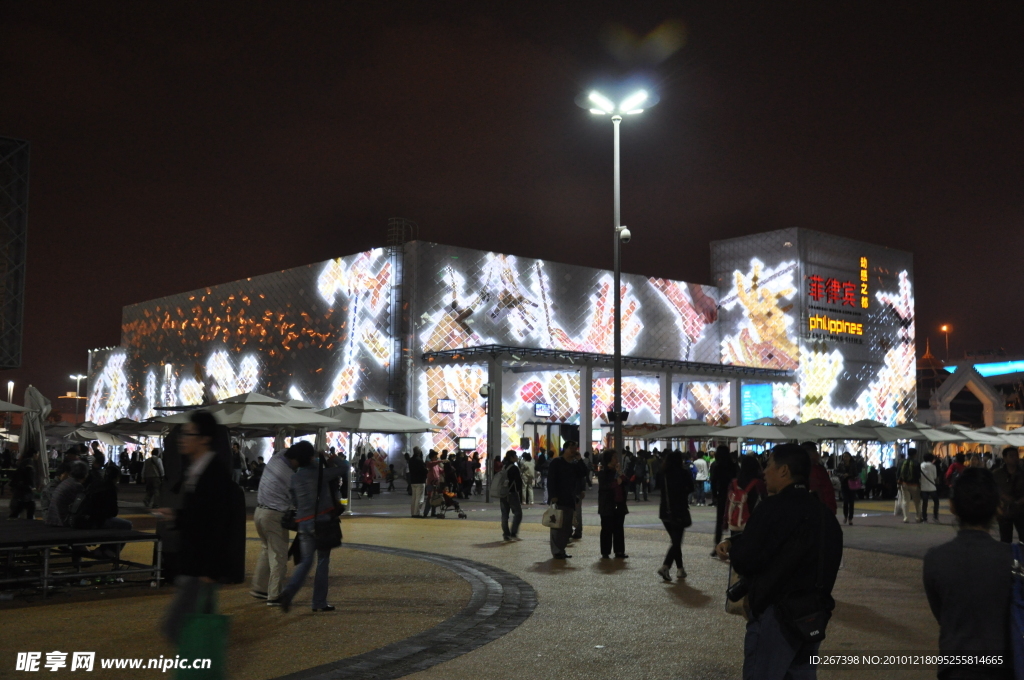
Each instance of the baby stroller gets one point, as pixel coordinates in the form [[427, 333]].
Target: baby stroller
[[444, 500]]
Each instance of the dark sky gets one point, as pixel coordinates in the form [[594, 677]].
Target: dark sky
[[177, 145]]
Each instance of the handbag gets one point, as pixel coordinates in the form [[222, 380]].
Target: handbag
[[288, 522], [740, 606], [1017, 613], [326, 535], [899, 501], [552, 517], [204, 635]]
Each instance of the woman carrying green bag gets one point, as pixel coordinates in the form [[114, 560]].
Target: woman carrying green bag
[[211, 521]]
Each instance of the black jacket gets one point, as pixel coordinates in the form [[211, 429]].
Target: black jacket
[[677, 485], [607, 484], [212, 525], [417, 470], [721, 474], [779, 549], [515, 479], [968, 585], [562, 482]]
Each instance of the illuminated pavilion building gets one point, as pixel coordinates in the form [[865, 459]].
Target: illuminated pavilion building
[[797, 325]]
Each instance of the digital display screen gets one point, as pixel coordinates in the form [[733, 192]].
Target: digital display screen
[[542, 410], [467, 443], [755, 403], [837, 312], [446, 406]]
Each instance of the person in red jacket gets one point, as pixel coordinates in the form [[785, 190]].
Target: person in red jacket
[[820, 483]]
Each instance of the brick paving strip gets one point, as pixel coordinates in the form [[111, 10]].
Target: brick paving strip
[[499, 604]]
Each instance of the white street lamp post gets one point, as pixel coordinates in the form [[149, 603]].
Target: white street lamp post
[[631, 105], [78, 378]]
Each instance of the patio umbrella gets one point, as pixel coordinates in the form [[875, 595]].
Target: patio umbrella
[[765, 432], [107, 438], [690, 430], [8, 407], [33, 431], [974, 436], [872, 430], [363, 415], [925, 432], [257, 411], [123, 426]]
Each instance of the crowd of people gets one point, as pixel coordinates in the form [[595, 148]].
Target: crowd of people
[[776, 521]]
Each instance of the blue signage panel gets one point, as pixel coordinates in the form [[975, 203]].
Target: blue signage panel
[[755, 403]]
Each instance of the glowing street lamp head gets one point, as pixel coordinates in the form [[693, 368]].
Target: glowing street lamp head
[[600, 104], [945, 328], [603, 104], [633, 102]]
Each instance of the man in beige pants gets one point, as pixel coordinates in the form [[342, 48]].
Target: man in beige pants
[[272, 501]]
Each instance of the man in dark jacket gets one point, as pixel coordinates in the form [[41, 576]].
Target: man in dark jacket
[[563, 488], [417, 479], [789, 554], [509, 502], [1010, 480], [972, 611]]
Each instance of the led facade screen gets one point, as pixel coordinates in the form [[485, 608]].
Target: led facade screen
[[837, 311]]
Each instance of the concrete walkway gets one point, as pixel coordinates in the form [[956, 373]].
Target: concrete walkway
[[593, 618]]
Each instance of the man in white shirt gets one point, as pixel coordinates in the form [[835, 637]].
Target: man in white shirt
[[702, 476], [273, 499], [929, 475]]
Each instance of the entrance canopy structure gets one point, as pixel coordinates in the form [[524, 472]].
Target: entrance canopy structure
[[500, 360]]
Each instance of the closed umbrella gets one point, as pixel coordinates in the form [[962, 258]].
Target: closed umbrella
[[33, 431]]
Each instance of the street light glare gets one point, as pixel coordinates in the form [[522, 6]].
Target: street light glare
[[602, 102], [598, 112], [633, 101], [634, 112]]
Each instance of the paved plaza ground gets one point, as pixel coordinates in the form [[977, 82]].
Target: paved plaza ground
[[427, 598]]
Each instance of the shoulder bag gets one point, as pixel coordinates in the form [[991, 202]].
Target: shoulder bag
[[327, 535]]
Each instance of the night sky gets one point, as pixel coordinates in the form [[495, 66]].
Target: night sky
[[177, 145]]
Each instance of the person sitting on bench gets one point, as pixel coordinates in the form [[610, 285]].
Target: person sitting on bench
[[63, 498]]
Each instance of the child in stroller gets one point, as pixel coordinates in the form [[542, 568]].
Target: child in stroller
[[444, 500]]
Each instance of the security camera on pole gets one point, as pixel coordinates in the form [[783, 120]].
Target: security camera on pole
[[630, 105]]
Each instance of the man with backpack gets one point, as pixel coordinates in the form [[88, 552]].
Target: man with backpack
[[508, 485], [722, 472], [788, 557], [909, 479], [820, 482]]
